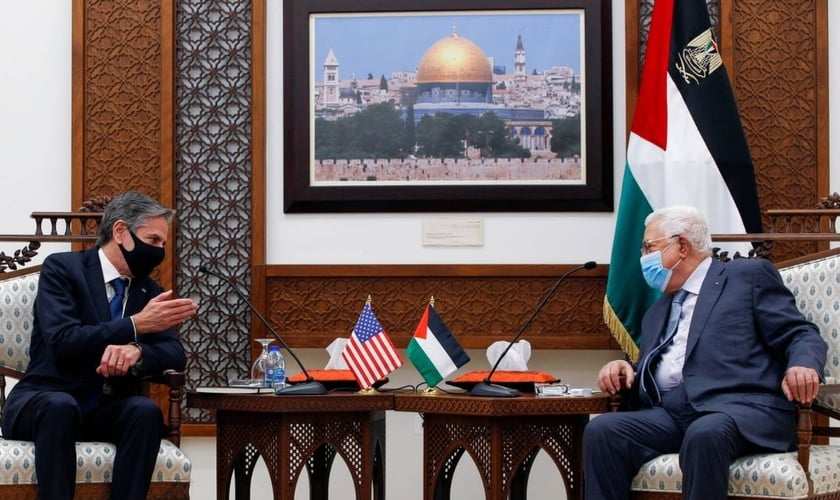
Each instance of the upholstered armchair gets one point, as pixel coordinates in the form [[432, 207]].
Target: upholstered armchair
[[18, 477], [813, 470]]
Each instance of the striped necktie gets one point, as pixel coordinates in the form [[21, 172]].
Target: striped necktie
[[648, 390]]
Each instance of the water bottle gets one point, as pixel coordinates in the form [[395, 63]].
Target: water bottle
[[275, 368]]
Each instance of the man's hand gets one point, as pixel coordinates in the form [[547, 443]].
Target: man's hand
[[118, 360], [801, 383], [163, 312], [609, 378]]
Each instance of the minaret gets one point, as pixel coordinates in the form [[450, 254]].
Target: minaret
[[519, 58], [331, 90]]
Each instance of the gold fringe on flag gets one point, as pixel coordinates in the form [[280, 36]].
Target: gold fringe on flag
[[619, 332]]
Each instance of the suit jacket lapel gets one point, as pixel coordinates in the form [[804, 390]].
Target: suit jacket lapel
[[710, 293], [136, 296], [96, 283]]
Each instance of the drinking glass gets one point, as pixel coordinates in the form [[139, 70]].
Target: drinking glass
[[258, 368]]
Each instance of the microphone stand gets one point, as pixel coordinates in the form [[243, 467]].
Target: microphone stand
[[487, 389], [311, 386]]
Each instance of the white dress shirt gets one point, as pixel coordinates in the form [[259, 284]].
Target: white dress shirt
[[669, 370], [110, 273]]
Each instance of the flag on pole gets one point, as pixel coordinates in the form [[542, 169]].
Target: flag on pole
[[686, 147], [370, 354], [433, 349]]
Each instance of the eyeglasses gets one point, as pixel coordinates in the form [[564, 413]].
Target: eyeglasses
[[647, 244]]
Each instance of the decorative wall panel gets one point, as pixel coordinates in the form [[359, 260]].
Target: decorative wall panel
[[312, 305], [775, 81], [213, 170], [117, 144]]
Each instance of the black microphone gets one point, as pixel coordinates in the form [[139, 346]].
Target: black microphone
[[310, 386], [485, 388]]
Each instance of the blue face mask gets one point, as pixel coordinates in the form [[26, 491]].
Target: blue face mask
[[655, 273]]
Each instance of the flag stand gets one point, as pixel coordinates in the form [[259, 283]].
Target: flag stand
[[368, 391], [431, 391]]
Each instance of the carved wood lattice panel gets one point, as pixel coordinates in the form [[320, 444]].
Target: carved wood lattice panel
[[120, 136], [213, 170], [776, 87], [311, 311]]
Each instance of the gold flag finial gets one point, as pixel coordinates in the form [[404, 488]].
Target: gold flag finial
[[432, 301], [369, 300]]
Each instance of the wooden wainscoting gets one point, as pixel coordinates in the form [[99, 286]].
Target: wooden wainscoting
[[311, 305]]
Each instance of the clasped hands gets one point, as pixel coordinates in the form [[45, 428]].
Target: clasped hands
[[118, 360], [800, 383]]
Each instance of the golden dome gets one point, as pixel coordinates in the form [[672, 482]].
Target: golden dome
[[454, 59]]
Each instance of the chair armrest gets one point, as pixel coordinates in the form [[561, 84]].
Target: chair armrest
[[171, 378], [831, 386], [625, 399], [828, 401], [175, 378], [826, 404]]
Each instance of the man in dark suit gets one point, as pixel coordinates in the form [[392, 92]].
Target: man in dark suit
[[720, 382], [100, 324]]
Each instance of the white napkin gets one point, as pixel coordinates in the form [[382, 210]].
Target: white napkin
[[335, 348], [515, 360]]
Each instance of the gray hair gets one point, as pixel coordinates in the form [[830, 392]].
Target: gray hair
[[132, 207], [685, 221]]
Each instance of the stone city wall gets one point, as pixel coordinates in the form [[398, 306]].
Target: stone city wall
[[449, 169]]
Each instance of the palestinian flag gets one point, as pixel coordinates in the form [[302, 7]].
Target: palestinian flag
[[433, 349], [686, 147]]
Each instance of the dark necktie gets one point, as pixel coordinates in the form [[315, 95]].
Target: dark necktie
[[648, 390], [116, 302]]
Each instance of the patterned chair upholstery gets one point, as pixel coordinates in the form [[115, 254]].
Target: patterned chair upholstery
[[18, 478], [816, 285]]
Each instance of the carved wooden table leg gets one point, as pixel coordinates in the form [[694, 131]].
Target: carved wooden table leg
[[503, 437], [296, 433]]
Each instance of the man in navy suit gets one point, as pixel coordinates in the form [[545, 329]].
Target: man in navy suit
[[720, 383], [100, 324]]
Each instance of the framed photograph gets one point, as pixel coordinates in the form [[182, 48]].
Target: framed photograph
[[447, 105]]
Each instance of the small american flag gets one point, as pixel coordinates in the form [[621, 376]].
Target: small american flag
[[370, 354]]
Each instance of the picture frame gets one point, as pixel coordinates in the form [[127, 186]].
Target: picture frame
[[350, 69]]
